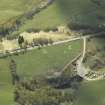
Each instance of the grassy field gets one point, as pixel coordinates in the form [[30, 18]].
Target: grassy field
[[36, 62], [62, 12], [91, 93], [6, 89], [44, 60], [11, 9], [6, 95]]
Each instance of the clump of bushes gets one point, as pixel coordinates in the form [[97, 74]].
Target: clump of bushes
[[42, 96], [42, 41], [37, 91]]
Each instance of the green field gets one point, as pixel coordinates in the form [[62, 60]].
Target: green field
[[62, 12], [36, 62], [46, 59], [91, 93], [6, 89], [6, 95], [13, 8]]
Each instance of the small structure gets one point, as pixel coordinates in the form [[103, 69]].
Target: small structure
[[64, 29]]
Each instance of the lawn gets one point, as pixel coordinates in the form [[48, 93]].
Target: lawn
[[62, 12], [91, 93]]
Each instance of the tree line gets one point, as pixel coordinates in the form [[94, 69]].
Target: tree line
[[14, 23], [41, 90]]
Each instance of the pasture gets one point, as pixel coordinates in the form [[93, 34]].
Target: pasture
[[47, 59], [10, 9], [6, 95], [6, 88], [36, 62], [91, 93], [40, 61], [61, 12]]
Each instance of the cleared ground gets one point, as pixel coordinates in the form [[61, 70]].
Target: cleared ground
[[91, 93], [13, 44], [55, 36]]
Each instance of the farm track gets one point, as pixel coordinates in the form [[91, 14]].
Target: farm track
[[80, 68]]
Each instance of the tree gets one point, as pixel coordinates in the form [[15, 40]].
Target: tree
[[20, 40], [15, 77], [42, 96], [99, 2]]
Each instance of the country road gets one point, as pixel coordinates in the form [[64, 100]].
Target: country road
[[35, 47], [74, 38], [81, 70]]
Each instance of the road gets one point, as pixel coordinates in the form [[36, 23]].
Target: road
[[35, 47], [81, 70], [56, 43]]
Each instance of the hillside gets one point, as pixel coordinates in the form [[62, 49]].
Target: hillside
[[52, 52], [61, 12], [10, 9], [77, 13]]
